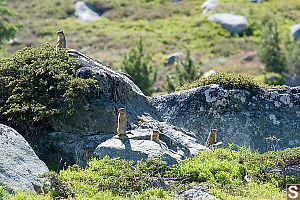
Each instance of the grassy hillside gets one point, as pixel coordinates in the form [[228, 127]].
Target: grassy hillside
[[221, 173], [166, 27]]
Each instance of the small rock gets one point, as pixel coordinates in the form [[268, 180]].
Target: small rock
[[230, 22], [210, 72], [196, 193], [175, 1], [172, 57], [14, 42], [209, 5], [248, 56], [295, 30], [85, 12]]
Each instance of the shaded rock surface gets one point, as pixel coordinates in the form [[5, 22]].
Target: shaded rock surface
[[19, 165], [85, 12], [230, 22], [245, 117], [295, 30], [209, 5]]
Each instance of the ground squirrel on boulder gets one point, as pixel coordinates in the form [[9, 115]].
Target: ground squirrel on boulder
[[61, 40], [155, 138], [211, 137], [121, 122]]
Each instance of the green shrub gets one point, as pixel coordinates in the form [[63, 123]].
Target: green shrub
[[231, 80], [3, 194], [38, 85], [272, 79], [270, 52], [185, 72], [138, 65]]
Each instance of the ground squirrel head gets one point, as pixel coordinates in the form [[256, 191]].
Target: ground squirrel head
[[213, 131], [121, 110], [155, 135], [60, 33]]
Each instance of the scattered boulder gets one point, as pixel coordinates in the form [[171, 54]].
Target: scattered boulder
[[14, 42], [210, 72], [209, 5], [172, 57], [175, 1], [85, 12], [295, 30], [293, 81], [19, 165], [248, 56], [230, 22]]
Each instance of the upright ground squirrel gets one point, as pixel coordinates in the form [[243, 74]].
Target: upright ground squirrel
[[211, 137], [61, 40], [121, 122]]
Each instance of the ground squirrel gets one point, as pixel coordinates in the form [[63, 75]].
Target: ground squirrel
[[155, 138], [211, 137], [88, 154], [61, 40], [121, 122]]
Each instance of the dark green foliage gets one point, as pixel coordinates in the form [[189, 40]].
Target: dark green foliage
[[231, 80], [138, 65], [273, 79], [59, 189], [7, 30], [293, 58], [117, 176], [185, 72], [38, 85], [270, 52]]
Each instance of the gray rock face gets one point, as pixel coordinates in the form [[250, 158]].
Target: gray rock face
[[174, 145], [293, 81], [85, 12], [19, 165], [117, 90], [209, 5], [295, 30], [245, 117], [230, 22]]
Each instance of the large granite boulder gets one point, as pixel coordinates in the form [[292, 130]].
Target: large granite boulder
[[98, 125], [245, 117], [295, 30], [209, 6], [230, 22], [85, 12], [19, 165]]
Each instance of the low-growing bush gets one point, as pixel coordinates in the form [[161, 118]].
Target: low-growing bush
[[38, 84], [231, 80]]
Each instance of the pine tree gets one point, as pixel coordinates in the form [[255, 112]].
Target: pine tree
[[138, 65], [270, 52]]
